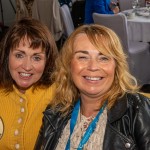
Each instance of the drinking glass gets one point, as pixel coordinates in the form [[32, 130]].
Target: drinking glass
[[147, 3], [134, 4]]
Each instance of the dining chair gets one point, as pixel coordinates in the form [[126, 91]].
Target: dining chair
[[67, 20], [138, 52]]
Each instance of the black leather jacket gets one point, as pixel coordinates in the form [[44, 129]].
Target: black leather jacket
[[128, 126]]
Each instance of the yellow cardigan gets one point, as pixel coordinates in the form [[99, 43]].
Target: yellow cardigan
[[21, 117]]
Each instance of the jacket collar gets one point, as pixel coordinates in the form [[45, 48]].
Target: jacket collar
[[55, 118], [117, 111]]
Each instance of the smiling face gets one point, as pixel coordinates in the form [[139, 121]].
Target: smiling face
[[26, 65], [92, 72]]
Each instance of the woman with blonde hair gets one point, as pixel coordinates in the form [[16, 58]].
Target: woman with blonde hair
[[96, 104]]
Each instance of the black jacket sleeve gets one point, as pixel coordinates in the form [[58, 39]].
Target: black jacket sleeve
[[142, 123]]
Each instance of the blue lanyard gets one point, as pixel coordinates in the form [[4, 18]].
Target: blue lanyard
[[89, 130]]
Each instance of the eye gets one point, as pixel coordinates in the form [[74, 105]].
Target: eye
[[36, 58], [82, 57], [103, 58], [18, 55]]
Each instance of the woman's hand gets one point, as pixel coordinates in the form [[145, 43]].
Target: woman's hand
[[116, 10], [114, 7]]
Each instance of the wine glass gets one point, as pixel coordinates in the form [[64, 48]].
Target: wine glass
[[134, 4], [147, 3]]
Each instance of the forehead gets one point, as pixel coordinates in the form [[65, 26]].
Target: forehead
[[90, 38], [25, 47], [25, 41], [28, 43], [94, 42], [82, 42], [80, 37]]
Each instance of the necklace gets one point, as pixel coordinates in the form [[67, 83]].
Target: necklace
[[81, 126], [86, 121]]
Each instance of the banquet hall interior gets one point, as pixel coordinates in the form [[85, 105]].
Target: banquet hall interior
[[65, 17]]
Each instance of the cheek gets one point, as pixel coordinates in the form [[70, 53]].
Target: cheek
[[74, 68], [40, 68], [111, 71], [77, 66], [12, 64]]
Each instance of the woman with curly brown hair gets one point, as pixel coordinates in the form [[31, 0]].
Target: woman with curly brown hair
[[27, 61]]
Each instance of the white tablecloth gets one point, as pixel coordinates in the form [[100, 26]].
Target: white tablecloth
[[138, 28]]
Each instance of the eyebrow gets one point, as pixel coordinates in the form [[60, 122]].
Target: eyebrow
[[85, 52], [42, 52], [82, 51]]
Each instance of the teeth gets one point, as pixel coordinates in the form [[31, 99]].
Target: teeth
[[25, 74], [93, 78]]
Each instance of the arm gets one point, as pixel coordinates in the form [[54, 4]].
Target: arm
[[51, 129], [40, 140], [114, 7], [102, 7], [142, 124], [46, 138]]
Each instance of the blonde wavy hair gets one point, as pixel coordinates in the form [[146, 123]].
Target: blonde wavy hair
[[108, 43]]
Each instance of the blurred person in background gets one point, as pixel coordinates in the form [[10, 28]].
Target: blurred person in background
[[99, 6]]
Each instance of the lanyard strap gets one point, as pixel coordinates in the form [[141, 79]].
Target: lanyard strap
[[73, 121], [89, 130]]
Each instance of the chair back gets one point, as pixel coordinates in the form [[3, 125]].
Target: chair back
[[67, 20], [116, 22]]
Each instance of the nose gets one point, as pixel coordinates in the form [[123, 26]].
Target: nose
[[93, 65], [27, 64]]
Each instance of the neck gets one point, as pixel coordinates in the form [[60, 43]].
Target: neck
[[22, 91], [90, 107]]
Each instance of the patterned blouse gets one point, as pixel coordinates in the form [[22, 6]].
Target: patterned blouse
[[95, 142]]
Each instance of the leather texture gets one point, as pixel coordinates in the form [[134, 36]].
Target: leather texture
[[127, 126]]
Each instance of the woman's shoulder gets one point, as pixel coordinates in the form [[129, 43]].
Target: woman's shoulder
[[54, 116], [49, 90], [130, 102], [3, 92], [138, 100], [51, 112]]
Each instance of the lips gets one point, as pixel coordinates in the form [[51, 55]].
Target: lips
[[93, 78]]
